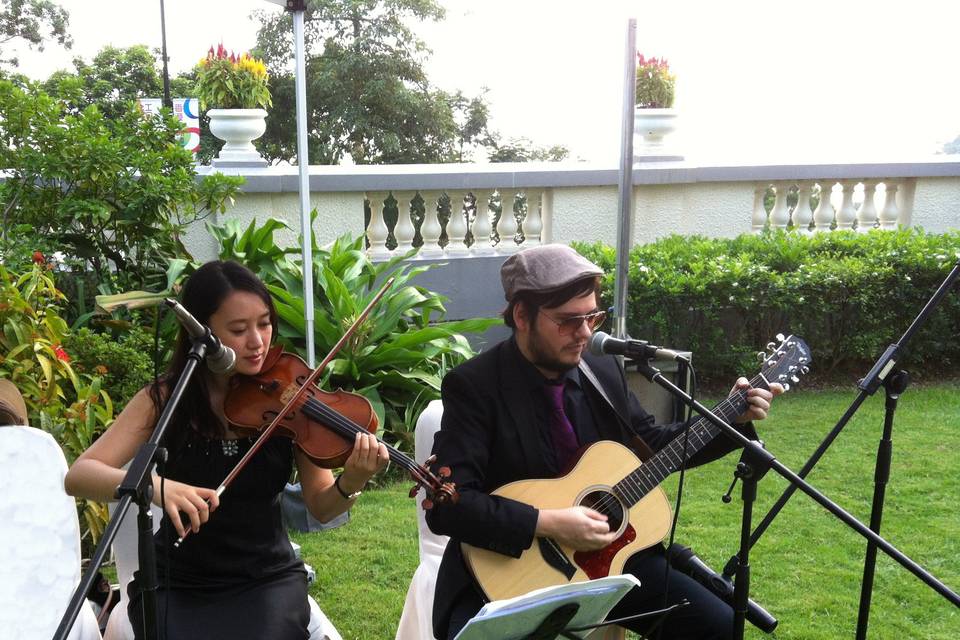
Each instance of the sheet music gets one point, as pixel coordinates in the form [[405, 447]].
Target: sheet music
[[519, 617]]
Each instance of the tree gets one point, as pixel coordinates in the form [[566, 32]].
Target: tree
[[118, 76], [112, 194], [368, 94], [32, 21], [523, 150], [472, 121], [113, 78]]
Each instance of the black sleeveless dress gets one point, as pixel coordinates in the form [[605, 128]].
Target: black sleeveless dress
[[238, 577]]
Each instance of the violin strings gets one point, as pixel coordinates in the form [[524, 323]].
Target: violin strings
[[349, 428]]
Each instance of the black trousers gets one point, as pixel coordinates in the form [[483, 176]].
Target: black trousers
[[707, 618]]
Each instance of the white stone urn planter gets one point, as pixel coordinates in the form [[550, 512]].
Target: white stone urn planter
[[238, 128], [650, 127]]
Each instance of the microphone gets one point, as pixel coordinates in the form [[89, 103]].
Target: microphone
[[220, 358], [684, 559], [604, 344]]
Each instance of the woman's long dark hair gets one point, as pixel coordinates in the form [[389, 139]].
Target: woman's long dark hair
[[204, 292]]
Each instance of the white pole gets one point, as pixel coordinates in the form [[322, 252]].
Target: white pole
[[625, 209], [303, 164]]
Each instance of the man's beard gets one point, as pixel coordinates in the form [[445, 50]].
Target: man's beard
[[541, 358]]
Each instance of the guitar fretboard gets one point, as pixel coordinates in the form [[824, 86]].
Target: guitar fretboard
[[670, 458]]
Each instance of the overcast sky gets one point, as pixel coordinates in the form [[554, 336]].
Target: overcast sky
[[756, 80]]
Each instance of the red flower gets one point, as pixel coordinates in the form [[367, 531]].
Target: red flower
[[38, 257], [61, 353]]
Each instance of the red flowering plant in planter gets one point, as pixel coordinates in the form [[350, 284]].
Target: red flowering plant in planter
[[654, 83], [226, 80]]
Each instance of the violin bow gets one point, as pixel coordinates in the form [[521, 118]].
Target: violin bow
[[295, 398]]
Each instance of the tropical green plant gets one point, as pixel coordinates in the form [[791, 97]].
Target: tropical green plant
[[397, 356], [70, 405], [654, 83], [231, 81]]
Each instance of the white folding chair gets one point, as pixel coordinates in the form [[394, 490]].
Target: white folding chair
[[40, 537], [416, 621]]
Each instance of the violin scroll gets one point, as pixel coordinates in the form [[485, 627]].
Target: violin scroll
[[438, 491]]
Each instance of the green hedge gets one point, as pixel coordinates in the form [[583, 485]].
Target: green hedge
[[848, 294]]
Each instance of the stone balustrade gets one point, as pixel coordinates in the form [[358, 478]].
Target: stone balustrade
[[457, 210]]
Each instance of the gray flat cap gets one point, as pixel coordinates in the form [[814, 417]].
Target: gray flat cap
[[544, 268]]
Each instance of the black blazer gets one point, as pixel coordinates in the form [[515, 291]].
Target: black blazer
[[488, 437]]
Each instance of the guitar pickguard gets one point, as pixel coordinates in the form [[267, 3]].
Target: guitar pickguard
[[596, 564]]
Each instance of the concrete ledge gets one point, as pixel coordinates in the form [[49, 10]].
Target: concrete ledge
[[436, 177]]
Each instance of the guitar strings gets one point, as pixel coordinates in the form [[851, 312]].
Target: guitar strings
[[629, 485]]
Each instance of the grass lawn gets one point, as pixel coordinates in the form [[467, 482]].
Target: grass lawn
[[806, 569]]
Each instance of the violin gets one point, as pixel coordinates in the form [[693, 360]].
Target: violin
[[323, 424]]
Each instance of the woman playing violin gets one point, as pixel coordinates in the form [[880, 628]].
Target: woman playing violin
[[235, 574]]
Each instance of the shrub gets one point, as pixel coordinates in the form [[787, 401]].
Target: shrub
[[112, 194], [68, 404], [124, 364], [848, 294]]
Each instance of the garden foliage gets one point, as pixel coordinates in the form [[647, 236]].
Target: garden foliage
[[70, 405], [113, 195], [397, 356], [850, 295]]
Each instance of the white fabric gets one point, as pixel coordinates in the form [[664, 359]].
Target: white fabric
[[40, 537], [416, 622], [125, 553]]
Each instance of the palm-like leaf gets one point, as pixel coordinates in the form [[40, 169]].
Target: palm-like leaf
[[397, 356]]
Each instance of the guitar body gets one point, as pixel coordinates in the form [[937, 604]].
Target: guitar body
[[547, 563]]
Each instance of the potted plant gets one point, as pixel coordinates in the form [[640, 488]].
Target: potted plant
[[234, 90], [654, 116]]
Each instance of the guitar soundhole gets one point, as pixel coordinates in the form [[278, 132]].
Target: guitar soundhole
[[607, 504]]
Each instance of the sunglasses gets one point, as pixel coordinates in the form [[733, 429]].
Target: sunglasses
[[569, 325]]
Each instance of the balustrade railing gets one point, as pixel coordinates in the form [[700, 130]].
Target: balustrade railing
[[454, 223], [849, 204], [448, 211]]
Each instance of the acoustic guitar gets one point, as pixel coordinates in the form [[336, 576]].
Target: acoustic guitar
[[609, 478]]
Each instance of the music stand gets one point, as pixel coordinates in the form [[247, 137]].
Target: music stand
[[552, 612]]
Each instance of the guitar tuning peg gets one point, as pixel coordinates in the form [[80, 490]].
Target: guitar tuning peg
[[771, 346], [761, 356], [792, 367], [804, 370], [780, 337], [795, 379], [786, 386]]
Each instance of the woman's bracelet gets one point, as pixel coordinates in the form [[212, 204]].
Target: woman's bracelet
[[346, 496]]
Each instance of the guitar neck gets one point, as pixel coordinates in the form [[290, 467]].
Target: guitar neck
[[671, 457]]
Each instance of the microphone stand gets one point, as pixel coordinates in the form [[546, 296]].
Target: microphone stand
[[894, 385], [757, 461], [137, 486]]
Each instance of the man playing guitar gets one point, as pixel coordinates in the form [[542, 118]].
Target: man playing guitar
[[520, 410]]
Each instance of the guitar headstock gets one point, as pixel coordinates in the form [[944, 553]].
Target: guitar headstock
[[785, 362]]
